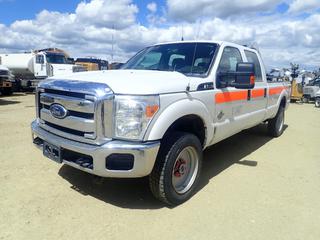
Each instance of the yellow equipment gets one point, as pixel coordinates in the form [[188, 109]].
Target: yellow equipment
[[296, 91], [89, 66]]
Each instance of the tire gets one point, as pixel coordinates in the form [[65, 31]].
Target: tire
[[176, 172], [305, 99], [7, 91], [275, 125], [317, 102]]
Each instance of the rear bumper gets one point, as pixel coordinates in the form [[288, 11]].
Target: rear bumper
[[144, 154], [5, 84]]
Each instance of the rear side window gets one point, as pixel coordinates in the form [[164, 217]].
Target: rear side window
[[253, 58]]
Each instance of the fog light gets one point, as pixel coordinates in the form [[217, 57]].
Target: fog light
[[120, 162]]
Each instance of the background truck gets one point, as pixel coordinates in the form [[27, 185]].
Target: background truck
[[156, 115], [5, 81], [317, 99], [30, 68], [92, 64], [310, 90]]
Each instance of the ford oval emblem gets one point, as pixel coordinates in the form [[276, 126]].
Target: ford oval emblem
[[58, 111]]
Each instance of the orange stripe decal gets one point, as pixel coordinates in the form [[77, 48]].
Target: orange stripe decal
[[255, 93], [231, 96], [276, 90]]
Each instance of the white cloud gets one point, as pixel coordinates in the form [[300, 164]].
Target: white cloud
[[304, 6], [152, 7], [190, 10], [107, 13]]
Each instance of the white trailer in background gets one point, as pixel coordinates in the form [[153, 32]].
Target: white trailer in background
[[30, 68]]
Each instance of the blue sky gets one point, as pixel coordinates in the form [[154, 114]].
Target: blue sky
[[12, 10], [285, 30]]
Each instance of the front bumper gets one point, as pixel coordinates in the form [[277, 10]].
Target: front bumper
[[144, 153]]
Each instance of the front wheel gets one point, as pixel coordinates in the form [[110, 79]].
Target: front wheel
[[175, 175], [275, 125], [317, 103]]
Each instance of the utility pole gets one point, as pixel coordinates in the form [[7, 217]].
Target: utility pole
[[112, 42]]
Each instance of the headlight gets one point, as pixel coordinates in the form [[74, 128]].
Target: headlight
[[133, 114]]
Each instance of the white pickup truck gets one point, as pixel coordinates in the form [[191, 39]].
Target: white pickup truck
[[156, 115]]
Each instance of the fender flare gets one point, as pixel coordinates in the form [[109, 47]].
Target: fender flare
[[282, 95], [175, 111]]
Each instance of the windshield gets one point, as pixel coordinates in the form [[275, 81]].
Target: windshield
[[56, 58], [187, 58], [314, 82]]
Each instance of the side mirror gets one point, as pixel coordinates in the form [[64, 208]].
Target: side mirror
[[244, 76]]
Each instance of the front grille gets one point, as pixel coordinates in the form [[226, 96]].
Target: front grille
[[79, 122], [82, 106], [4, 73]]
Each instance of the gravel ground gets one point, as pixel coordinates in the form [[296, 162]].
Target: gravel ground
[[252, 187]]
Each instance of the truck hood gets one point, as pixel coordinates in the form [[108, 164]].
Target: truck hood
[[3, 68], [142, 82]]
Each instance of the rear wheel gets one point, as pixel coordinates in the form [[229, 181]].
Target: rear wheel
[[175, 175], [275, 125], [305, 99]]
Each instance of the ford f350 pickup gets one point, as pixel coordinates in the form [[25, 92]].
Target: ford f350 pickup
[[156, 115]]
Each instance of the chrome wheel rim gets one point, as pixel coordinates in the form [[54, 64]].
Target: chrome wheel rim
[[185, 169]]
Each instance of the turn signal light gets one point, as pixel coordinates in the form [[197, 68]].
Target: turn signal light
[[151, 110]]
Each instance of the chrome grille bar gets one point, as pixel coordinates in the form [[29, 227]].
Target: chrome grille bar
[[70, 103], [76, 123]]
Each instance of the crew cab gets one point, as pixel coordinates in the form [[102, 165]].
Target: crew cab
[[156, 115]]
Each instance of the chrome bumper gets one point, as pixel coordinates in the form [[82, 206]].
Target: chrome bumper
[[144, 153]]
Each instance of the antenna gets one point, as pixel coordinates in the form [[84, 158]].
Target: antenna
[[255, 45], [112, 42], [199, 24], [182, 38]]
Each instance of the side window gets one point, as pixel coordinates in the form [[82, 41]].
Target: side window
[[40, 59], [228, 63], [229, 59], [253, 58]]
